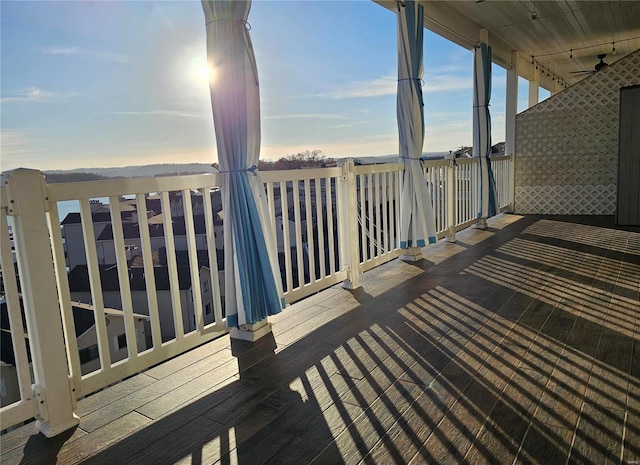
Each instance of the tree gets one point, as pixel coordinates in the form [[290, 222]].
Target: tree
[[306, 159]]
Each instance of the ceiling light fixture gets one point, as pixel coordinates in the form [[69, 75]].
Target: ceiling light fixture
[[534, 13]]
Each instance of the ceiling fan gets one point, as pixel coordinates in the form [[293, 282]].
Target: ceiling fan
[[601, 64]]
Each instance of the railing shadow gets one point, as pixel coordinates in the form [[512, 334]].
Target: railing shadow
[[446, 367]]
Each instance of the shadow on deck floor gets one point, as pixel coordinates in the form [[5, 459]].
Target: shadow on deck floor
[[517, 344]]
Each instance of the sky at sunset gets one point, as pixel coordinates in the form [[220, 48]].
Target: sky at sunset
[[115, 83]]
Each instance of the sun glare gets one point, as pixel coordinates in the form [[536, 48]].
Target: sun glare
[[200, 70]]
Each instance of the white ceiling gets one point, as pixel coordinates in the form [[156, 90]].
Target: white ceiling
[[589, 28]]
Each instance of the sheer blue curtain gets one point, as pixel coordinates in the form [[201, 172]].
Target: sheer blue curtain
[[487, 198], [417, 220], [253, 289]]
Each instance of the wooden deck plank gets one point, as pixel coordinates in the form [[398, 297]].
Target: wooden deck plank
[[425, 363], [193, 356], [353, 443], [187, 442], [77, 448], [137, 399], [316, 436], [28, 436], [113, 394], [598, 437]]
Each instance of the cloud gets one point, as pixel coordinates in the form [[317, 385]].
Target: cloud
[[104, 56], [13, 141], [169, 113], [33, 94], [307, 116], [111, 56], [16, 150], [345, 125], [61, 50], [446, 83], [385, 85], [388, 85]]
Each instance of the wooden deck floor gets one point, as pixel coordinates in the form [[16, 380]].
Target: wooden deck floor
[[517, 344]]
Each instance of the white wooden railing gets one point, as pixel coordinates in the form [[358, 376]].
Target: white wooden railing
[[332, 225]]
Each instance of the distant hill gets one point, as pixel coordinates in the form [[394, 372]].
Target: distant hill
[[167, 169], [72, 177], [91, 174]]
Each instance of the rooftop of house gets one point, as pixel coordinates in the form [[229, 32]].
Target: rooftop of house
[[83, 319], [79, 278]]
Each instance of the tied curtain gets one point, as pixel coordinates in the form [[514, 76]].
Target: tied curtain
[[417, 219], [487, 198], [253, 289]]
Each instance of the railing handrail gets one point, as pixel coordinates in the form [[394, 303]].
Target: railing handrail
[[435, 163], [377, 168], [299, 174], [63, 191]]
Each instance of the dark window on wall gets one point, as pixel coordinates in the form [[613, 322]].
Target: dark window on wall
[[88, 354], [121, 341]]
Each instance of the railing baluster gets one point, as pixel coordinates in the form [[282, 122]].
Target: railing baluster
[[310, 241], [321, 246], [64, 299], [370, 224], [194, 266], [13, 309], [385, 214], [452, 192], [298, 230], [377, 211], [362, 216], [95, 283], [123, 277], [391, 199], [172, 266], [271, 204], [149, 272], [286, 235], [331, 224], [212, 252]]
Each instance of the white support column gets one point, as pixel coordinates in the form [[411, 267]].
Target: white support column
[[484, 36], [511, 111], [511, 105], [348, 228], [28, 206], [534, 87]]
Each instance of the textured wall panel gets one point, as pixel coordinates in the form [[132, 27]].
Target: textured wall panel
[[567, 146]]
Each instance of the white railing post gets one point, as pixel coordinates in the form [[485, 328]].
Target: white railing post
[[452, 190], [348, 229], [27, 198]]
